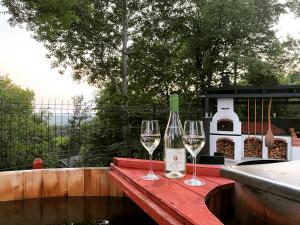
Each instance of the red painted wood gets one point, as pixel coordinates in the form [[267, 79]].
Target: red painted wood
[[151, 208], [219, 180], [178, 203], [168, 199], [138, 163], [205, 170]]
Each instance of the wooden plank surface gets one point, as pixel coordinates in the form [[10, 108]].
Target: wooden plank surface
[[11, 186], [204, 170], [105, 184], [184, 203], [28, 184], [54, 183], [92, 182], [75, 182], [151, 208], [176, 196], [32, 184], [180, 204]]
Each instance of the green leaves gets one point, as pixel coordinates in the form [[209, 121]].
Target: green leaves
[[173, 45], [22, 129], [294, 6]]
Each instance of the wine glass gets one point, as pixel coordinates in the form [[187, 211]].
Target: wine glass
[[150, 138], [194, 141]]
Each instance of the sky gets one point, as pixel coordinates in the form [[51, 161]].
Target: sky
[[23, 59]]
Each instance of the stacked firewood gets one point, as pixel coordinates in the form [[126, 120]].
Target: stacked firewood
[[226, 147], [278, 151], [253, 148]]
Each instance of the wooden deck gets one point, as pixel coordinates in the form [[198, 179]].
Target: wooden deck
[[169, 201]]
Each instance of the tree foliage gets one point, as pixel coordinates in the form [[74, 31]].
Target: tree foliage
[[24, 132], [173, 45], [294, 6]]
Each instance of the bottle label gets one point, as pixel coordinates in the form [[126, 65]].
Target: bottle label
[[175, 159]]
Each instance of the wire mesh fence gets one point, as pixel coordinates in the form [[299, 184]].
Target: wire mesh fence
[[79, 133], [40, 130], [76, 133]]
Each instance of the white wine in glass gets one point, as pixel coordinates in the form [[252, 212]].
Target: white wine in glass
[[194, 141], [150, 142], [150, 138]]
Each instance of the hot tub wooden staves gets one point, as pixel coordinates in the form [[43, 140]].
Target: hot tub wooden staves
[[44, 183]]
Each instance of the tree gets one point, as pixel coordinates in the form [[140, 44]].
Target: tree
[[262, 73], [83, 35], [174, 45], [292, 78], [24, 132], [142, 51], [197, 43], [76, 135], [294, 6]]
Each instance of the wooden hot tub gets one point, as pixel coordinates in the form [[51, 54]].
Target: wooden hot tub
[[50, 183], [61, 196]]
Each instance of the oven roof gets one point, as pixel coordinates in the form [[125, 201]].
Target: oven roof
[[280, 91]]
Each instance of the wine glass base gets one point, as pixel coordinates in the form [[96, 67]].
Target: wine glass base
[[151, 176], [194, 182]]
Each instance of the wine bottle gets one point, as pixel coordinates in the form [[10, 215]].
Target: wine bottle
[[174, 151]]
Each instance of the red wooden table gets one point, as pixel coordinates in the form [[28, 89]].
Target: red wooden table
[[169, 201]]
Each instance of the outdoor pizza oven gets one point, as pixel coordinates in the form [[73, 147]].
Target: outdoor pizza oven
[[245, 139], [225, 130], [225, 125]]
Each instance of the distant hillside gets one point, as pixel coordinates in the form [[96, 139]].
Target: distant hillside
[[60, 119]]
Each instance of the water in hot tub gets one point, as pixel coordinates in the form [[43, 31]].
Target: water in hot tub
[[73, 211]]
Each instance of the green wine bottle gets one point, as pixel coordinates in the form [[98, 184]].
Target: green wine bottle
[[174, 151]]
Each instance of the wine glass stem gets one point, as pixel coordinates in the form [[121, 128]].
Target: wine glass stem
[[150, 163], [195, 170]]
